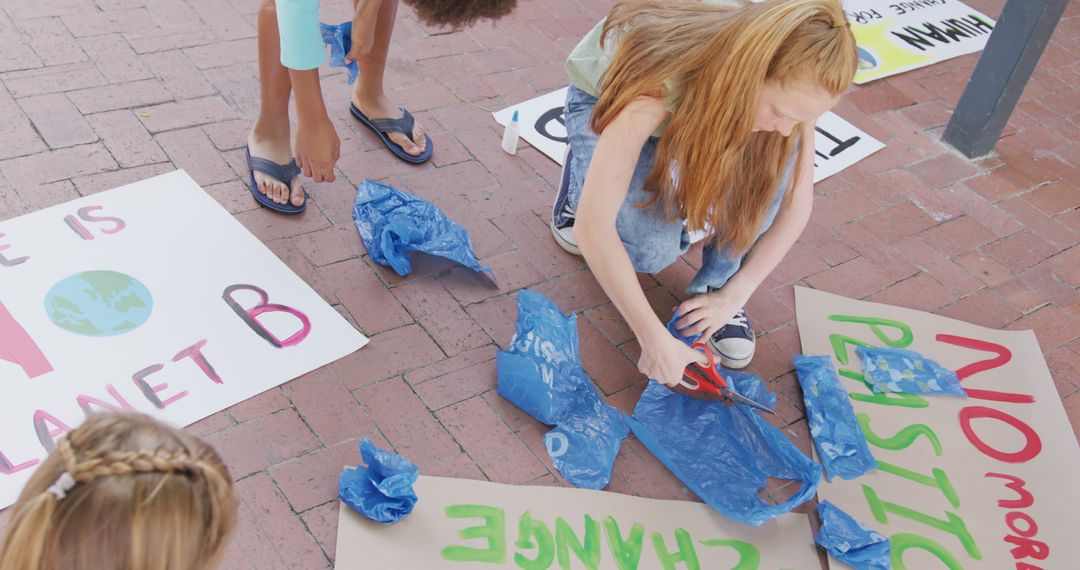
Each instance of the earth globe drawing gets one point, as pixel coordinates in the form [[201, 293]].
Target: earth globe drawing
[[99, 303]]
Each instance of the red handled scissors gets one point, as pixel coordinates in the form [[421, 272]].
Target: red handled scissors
[[709, 384]]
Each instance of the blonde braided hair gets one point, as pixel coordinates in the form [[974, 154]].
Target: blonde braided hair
[[161, 499]]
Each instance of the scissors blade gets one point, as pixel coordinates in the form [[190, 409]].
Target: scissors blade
[[740, 399]]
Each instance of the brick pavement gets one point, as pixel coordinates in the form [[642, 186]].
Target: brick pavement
[[98, 93]]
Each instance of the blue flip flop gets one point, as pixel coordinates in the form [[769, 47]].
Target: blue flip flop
[[283, 173], [404, 125]]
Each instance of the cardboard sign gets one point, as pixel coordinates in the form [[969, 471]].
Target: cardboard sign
[[894, 37], [149, 297], [838, 144], [475, 524], [987, 481]]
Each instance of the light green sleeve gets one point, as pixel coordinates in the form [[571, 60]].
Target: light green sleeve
[[302, 46]]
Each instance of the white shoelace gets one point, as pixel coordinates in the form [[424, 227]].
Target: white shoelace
[[567, 212], [739, 320]]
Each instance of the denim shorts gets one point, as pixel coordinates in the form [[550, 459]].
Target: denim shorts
[[652, 241]]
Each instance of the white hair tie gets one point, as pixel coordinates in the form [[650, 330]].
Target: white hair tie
[[60, 488]]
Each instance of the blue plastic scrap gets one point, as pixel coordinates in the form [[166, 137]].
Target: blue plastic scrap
[[392, 222], [907, 371], [724, 454], [848, 541], [382, 491], [541, 373], [833, 427], [339, 38]]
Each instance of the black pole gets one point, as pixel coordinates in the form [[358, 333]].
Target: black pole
[[1014, 47]]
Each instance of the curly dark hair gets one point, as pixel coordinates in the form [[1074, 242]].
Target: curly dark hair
[[460, 12]]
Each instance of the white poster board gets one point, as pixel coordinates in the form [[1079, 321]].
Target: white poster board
[[983, 482], [838, 144], [466, 524], [148, 297], [894, 37]]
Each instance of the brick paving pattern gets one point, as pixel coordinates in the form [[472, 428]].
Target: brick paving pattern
[[98, 93]]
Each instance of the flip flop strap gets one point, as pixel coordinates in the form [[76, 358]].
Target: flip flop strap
[[404, 125], [283, 173]]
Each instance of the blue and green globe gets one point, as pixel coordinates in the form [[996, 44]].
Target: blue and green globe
[[99, 303]]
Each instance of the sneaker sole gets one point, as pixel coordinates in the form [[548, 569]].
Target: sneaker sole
[[733, 363], [568, 246]]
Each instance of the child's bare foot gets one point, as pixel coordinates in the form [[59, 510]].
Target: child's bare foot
[[275, 149], [381, 108]]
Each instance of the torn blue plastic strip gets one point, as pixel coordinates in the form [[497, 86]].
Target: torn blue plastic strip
[[850, 542], [837, 436], [724, 454], [339, 38], [907, 371], [541, 373], [392, 222], [382, 491]]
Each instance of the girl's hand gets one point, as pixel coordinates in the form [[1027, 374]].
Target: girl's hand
[[707, 313], [317, 149], [665, 358], [363, 33]]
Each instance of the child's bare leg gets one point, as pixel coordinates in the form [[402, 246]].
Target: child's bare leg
[[368, 94], [269, 138]]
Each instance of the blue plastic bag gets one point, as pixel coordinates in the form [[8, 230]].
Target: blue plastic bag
[[382, 491], [848, 541], [724, 454], [836, 433], [339, 38], [541, 374], [907, 371], [392, 222]]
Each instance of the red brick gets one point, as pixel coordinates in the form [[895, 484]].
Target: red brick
[[606, 319], [1053, 198], [47, 8], [484, 436], [287, 251], [262, 442], [178, 74], [1067, 266], [987, 270], [437, 311], [126, 139], [841, 207], [232, 195], [1064, 366], [879, 96], [327, 407], [533, 238], [268, 536], [406, 422], [504, 167], [877, 247], [638, 472], [270, 401], [800, 262], [188, 113], [228, 135], [608, 368], [57, 120], [106, 22], [957, 236], [512, 272], [1072, 410], [1019, 251], [115, 58], [57, 165], [190, 150], [223, 19], [497, 316], [856, 278], [897, 222], [826, 244], [459, 385], [1020, 295], [94, 183], [486, 238], [460, 466], [942, 171], [120, 96], [996, 185], [149, 42], [928, 114], [513, 416], [330, 245], [1042, 280], [985, 308], [921, 292], [372, 306], [789, 399], [312, 480], [322, 523], [774, 352], [574, 292], [45, 195], [17, 134], [982, 211], [1052, 326], [210, 424], [388, 354]]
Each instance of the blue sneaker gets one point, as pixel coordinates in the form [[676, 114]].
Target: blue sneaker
[[562, 215], [734, 343]]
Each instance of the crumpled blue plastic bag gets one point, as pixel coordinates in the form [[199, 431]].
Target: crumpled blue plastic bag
[[382, 491], [392, 222], [542, 374], [724, 454], [836, 433], [848, 541], [339, 38], [907, 371]]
